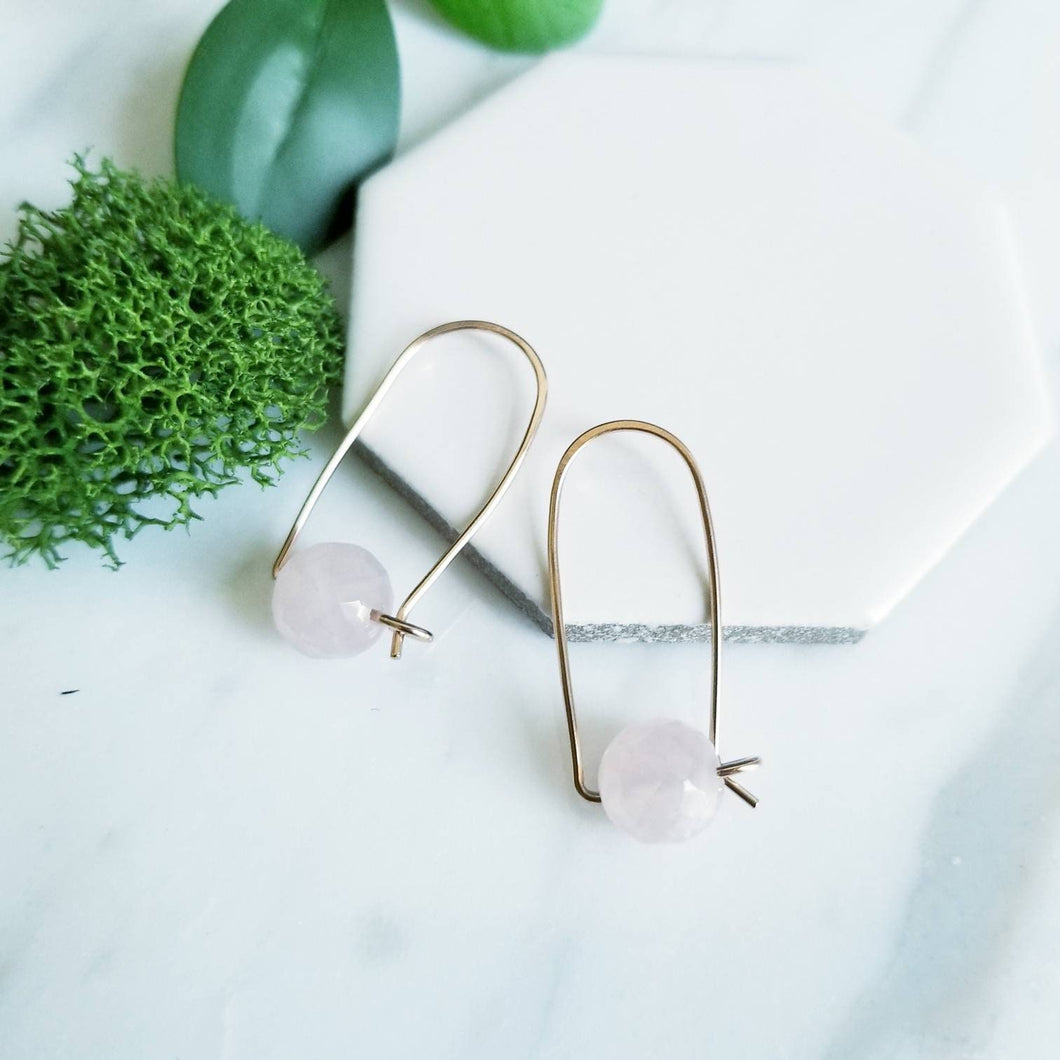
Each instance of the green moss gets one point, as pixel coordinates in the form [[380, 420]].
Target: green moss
[[154, 347]]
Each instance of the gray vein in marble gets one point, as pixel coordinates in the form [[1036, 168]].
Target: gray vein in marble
[[978, 848], [939, 63], [598, 631]]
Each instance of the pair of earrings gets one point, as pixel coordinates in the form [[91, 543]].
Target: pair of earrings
[[661, 781]]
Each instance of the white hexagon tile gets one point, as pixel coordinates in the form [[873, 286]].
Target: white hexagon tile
[[831, 320]]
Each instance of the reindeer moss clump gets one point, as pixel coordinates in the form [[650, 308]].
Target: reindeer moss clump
[[154, 347]]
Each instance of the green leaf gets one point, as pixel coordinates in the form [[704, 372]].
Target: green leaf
[[522, 25], [285, 105]]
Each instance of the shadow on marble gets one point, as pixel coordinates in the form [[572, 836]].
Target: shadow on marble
[[248, 588]]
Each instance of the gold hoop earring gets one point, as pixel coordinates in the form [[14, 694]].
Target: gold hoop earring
[[333, 600], [662, 780]]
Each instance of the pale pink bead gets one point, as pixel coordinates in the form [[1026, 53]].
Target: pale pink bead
[[659, 781], [323, 598]]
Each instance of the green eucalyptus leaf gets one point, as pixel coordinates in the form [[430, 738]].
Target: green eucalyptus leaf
[[285, 105], [522, 25]]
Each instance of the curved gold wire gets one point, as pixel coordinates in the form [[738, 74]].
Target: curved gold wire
[[728, 769], [402, 628]]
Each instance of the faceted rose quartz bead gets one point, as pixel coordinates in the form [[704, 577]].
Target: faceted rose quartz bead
[[659, 781], [323, 598]]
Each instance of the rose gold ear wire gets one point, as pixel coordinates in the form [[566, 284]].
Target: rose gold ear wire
[[727, 770], [398, 623]]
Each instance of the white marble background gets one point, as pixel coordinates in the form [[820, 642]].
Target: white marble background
[[217, 848]]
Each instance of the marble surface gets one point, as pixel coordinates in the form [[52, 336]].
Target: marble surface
[[215, 847]]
